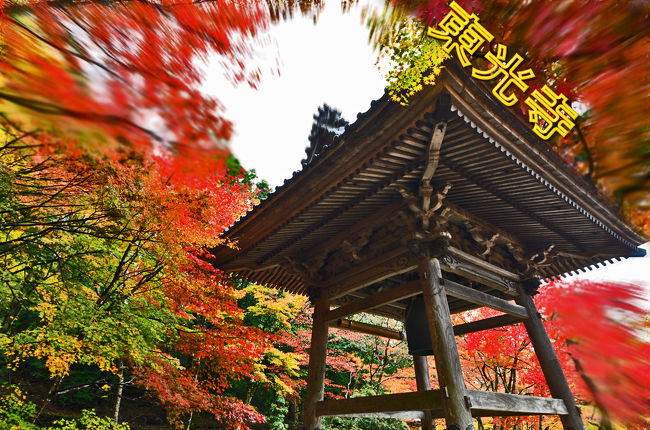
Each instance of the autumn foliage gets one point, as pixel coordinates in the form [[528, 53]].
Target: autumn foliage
[[599, 334], [115, 180], [125, 70], [604, 327], [105, 264]]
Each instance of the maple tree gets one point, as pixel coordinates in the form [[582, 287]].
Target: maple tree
[[115, 180], [103, 265], [279, 376], [129, 70], [503, 360], [581, 316], [585, 315]]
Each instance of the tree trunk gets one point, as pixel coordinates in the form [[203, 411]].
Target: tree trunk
[[347, 391], [46, 401], [118, 394], [294, 412], [423, 383], [250, 390], [196, 379], [189, 421]]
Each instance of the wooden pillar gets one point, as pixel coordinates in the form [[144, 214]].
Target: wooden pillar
[[423, 382], [316, 371], [549, 363], [450, 374]]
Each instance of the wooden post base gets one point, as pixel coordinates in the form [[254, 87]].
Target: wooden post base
[[549, 363], [316, 372], [456, 403], [423, 382]]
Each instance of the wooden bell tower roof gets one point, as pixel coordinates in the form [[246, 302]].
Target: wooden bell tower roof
[[511, 203]]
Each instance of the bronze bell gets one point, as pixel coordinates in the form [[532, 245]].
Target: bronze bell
[[417, 328]]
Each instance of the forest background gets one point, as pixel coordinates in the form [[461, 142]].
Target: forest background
[[116, 179]]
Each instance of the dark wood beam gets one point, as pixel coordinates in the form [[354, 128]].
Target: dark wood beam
[[397, 306], [316, 371], [459, 329], [386, 265], [408, 415], [548, 361], [448, 367], [371, 329], [479, 270], [486, 324], [387, 312], [485, 403], [394, 294], [484, 264], [457, 290]]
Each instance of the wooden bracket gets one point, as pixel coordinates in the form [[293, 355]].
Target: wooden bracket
[[531, 262], [479, 236], [353, 247], [427, 202], [427, 238], [305, 270], [433, 157], [545, 257]]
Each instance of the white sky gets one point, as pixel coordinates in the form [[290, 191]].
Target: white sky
[[332, 63]]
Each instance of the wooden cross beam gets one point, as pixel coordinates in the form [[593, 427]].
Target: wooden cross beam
[[371, 329], [414, 288], [483, 403], [379, 299], [459, 329], [480, 298]]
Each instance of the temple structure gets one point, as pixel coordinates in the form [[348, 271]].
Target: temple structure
[[451, 202]]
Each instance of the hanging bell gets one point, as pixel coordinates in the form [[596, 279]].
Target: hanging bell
[[417, 328]]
